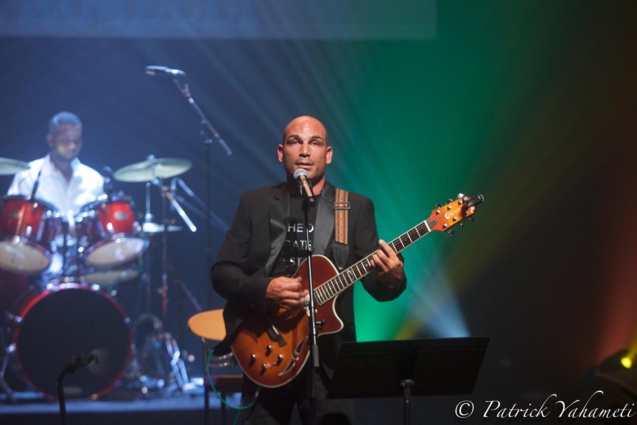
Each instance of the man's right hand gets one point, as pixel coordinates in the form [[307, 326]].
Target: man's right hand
[[286, 292]]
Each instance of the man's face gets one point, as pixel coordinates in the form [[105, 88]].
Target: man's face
[[305, 146], [66, 142]]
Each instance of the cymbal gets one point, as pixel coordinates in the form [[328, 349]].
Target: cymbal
[[156, 168], [11, 166], [152, 228]]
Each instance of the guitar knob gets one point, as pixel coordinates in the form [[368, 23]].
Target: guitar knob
[[253, 358], [268, 350], [265, 366], [279, 359]]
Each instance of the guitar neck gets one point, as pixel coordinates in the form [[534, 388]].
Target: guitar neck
[[339, 283]]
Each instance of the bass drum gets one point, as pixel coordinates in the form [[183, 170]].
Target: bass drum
[[66, 321]]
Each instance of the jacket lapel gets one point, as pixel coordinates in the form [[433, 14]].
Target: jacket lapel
[[278, 209]]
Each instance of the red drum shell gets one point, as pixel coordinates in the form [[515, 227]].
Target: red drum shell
[[27, 228], [111, 232]]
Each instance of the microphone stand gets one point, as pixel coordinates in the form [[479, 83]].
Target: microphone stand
[[314, 353], [208, 132], [75, 363]]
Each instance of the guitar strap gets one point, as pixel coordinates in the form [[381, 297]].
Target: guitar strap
[[340, 245]]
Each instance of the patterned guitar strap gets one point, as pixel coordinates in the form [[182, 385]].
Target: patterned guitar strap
[[340, 246]]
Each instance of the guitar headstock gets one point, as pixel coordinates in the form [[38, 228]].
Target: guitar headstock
[[444, 217]]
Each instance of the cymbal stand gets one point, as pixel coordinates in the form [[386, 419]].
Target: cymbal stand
[[200, 207], [148, 218], [167, 195]]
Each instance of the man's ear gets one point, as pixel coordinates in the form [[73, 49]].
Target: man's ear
[[49, 140], [279, 152], [328, 155]]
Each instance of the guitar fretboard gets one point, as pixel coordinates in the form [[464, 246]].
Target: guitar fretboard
[[331, 288]]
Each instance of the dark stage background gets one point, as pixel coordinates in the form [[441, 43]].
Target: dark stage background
[[531, 103]]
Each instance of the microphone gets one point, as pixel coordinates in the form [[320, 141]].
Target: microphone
[[305, 186], [164, 72]]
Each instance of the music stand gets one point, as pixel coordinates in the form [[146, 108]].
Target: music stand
[[407, 368]]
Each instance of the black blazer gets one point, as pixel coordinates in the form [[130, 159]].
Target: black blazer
[[242, 270]]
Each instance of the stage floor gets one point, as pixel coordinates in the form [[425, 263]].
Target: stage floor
[[118, 407]]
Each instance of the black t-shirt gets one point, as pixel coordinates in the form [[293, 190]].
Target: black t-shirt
[[294, 248]]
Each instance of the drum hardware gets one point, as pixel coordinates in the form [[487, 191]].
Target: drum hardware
[[157, 363], [11, 166], [152, 172], [4, 362], [199, 207], [152, 228]]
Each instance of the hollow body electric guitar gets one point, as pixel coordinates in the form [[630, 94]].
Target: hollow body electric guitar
[[272, 347]]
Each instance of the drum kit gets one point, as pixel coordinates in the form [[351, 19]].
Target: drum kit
[[72, 311]]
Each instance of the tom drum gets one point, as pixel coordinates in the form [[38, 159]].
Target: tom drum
[[27, 228]]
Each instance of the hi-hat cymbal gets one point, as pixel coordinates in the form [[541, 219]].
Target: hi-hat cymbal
[[152, 228], [157, 168], [11, 166]]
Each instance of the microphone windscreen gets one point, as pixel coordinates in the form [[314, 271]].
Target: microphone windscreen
[[299, 172]]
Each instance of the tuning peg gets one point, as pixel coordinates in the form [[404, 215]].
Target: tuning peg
[[462, 225], [449, 200], [471, 219], [438, 205], [450, 232]]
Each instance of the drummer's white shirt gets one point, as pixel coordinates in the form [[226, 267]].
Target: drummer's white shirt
[[85, 186]]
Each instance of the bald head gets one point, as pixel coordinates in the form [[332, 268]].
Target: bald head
[[302, 121], [304, 145]]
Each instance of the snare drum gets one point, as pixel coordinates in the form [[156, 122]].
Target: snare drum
[[109, 277], [69, 320], [110, 233], [27, 228]]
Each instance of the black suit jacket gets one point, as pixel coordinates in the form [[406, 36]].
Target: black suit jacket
[[242, 270]]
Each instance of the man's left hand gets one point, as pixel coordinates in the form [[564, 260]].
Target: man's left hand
[[388, 265]]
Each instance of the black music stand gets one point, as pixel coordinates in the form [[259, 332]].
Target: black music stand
[[408, 368]]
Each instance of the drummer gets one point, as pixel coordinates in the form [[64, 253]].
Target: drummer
[[62, 180]]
